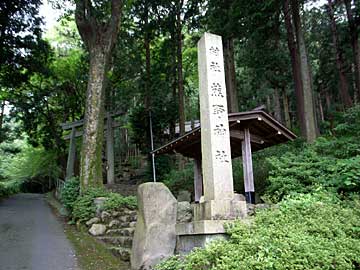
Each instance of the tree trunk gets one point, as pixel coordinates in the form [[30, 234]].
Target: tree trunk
[[295, 64], [91, 153], [328, 108], [354, 37], [99, 38], [354, 84], [328, 100], [277, 106], [274, 81], [286, 108], [180, 78], [230, 75], [2, 111], [344, 86], [268, 103], [321, 109], [309, 113]]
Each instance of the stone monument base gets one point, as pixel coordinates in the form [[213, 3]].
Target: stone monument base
[[198, 234], [208, 223], [220, 210], [186, 243]]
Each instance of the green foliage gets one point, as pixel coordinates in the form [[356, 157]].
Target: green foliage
[[21, 46], [305, 171], [178, 179], [304, 232], [70, 193], [261, 169], [116, 201], [32, 164], [84, 207], [26, 165], [9, 187], [331, 162], [349, 123]]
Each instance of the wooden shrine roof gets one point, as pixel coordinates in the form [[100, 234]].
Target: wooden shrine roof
[[265, 131]]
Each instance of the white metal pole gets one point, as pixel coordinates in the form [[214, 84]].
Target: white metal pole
[[152, 148]]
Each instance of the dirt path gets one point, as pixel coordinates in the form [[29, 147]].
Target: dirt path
[[31, 237]]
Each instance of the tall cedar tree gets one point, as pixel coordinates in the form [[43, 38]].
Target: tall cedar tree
[[354, 23], [99, 32], [301, 70], [340, 61]]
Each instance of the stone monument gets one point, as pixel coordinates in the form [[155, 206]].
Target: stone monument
[[218, 204], [155, 236]]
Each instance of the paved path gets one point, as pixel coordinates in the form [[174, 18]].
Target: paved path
[[31, 237]]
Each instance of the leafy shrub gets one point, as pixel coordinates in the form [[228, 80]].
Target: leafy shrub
[[261, 168], [8, 188], [303, 232], [349, 123], [84, 207], [341, 147], [31, 165], [70, 193], [116, 201], [304, 172], [177, 179]]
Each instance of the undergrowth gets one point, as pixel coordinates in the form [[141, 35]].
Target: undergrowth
[[82, 207], [308, 231]]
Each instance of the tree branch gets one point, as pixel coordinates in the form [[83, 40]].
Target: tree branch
[[84, 21], [115, 21]]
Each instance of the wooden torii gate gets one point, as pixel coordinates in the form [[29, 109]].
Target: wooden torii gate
[[109, 139]]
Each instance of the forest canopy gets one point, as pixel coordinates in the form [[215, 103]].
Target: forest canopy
[[300, 59]]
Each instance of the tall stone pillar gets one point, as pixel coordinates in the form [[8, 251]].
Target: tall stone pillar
[[218, 204], [215, 136]]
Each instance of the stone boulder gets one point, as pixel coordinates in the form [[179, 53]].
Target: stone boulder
[[92, 221], [239, 197], [97, 229], [114, 224], [184, 212], [105, 217], [155, 236]]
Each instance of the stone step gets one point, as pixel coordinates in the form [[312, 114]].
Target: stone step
[[127, 218], [122, 253], [121, 232], [123, 241], [124, 212], [121, 225]]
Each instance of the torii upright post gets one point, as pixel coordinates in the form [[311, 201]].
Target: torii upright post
[[71, 155], [110, 149]]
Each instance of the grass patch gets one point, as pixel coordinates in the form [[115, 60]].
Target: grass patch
[[90, 254]]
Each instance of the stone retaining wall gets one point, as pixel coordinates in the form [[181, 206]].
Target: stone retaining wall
[[115, 229]]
